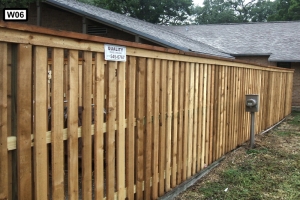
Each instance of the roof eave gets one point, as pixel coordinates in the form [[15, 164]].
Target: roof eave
[[278, 60], [115, 25], [250, 54]]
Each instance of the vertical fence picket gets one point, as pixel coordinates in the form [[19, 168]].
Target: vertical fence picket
[[24, 122], [3, 122], [57, 160], [156, 134], [40, 122], [141, 87], [73, 124], [231, 107], [149, 131], [120, 140], [222, 131], [208, 113], [11, 155], [195, 123], [200, 116], [216, 114], [186, 122], [130, 132], [190, 132], [212, 93], [175, 123], [86, 126], [110, 129], [162, 130], [204, 109], [181, 122], [169, 124]]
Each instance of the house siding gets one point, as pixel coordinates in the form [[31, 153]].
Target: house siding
[[296, 84], [262, 60], [55, 18]]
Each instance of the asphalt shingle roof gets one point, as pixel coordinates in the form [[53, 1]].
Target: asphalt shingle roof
[[156, 33], [280, 40]]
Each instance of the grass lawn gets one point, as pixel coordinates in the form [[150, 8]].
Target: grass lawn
[[269, 171]]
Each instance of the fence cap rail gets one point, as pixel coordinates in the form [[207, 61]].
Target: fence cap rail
[[91, 38]]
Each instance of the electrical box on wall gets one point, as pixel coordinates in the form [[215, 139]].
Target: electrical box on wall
[[252, 102]]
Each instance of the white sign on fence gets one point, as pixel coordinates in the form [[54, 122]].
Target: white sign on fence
[[114, 52]]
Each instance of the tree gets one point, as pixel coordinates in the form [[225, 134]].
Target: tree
[[282, 11], [214, 11], [294, 10], [15, 3], [261, 10], [154, 11], [242, 9], [234, 11]]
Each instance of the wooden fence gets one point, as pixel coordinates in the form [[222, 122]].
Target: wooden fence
[[169, 114]]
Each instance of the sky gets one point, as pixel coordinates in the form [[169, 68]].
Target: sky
[[198, 2]]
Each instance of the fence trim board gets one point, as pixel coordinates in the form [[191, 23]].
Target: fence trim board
[[60, 41]]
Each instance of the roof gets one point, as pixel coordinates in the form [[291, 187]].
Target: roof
[[280, 40], [152, 32]]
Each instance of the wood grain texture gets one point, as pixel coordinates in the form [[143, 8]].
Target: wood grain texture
[[181, 122], [186, 122], [141, 99], [110, 133], [155, 144], [73, 74], [200, 116], [40, 122], [149, 129], [120, 139], [24, 122], [190, 132], [130, 131], [99, 118], [3, 122], [195, 122], [57, 149], [204, 111], [169, 125], [175, 109], [212, 110], [162, 129]]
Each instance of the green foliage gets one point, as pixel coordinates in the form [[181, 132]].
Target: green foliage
[[176, 12], [214, 11], [257, 151], [286, 10], [233, 11], [15, 3], [256, 177], [154, 11], [261, 10]]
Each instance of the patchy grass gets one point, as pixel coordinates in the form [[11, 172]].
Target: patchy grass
[[270, 171]]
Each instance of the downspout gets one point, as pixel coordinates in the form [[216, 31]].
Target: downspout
[[83, 25], [137, 39], [38, 11]]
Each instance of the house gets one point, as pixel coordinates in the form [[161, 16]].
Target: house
[[272, 44], [76, 16]]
